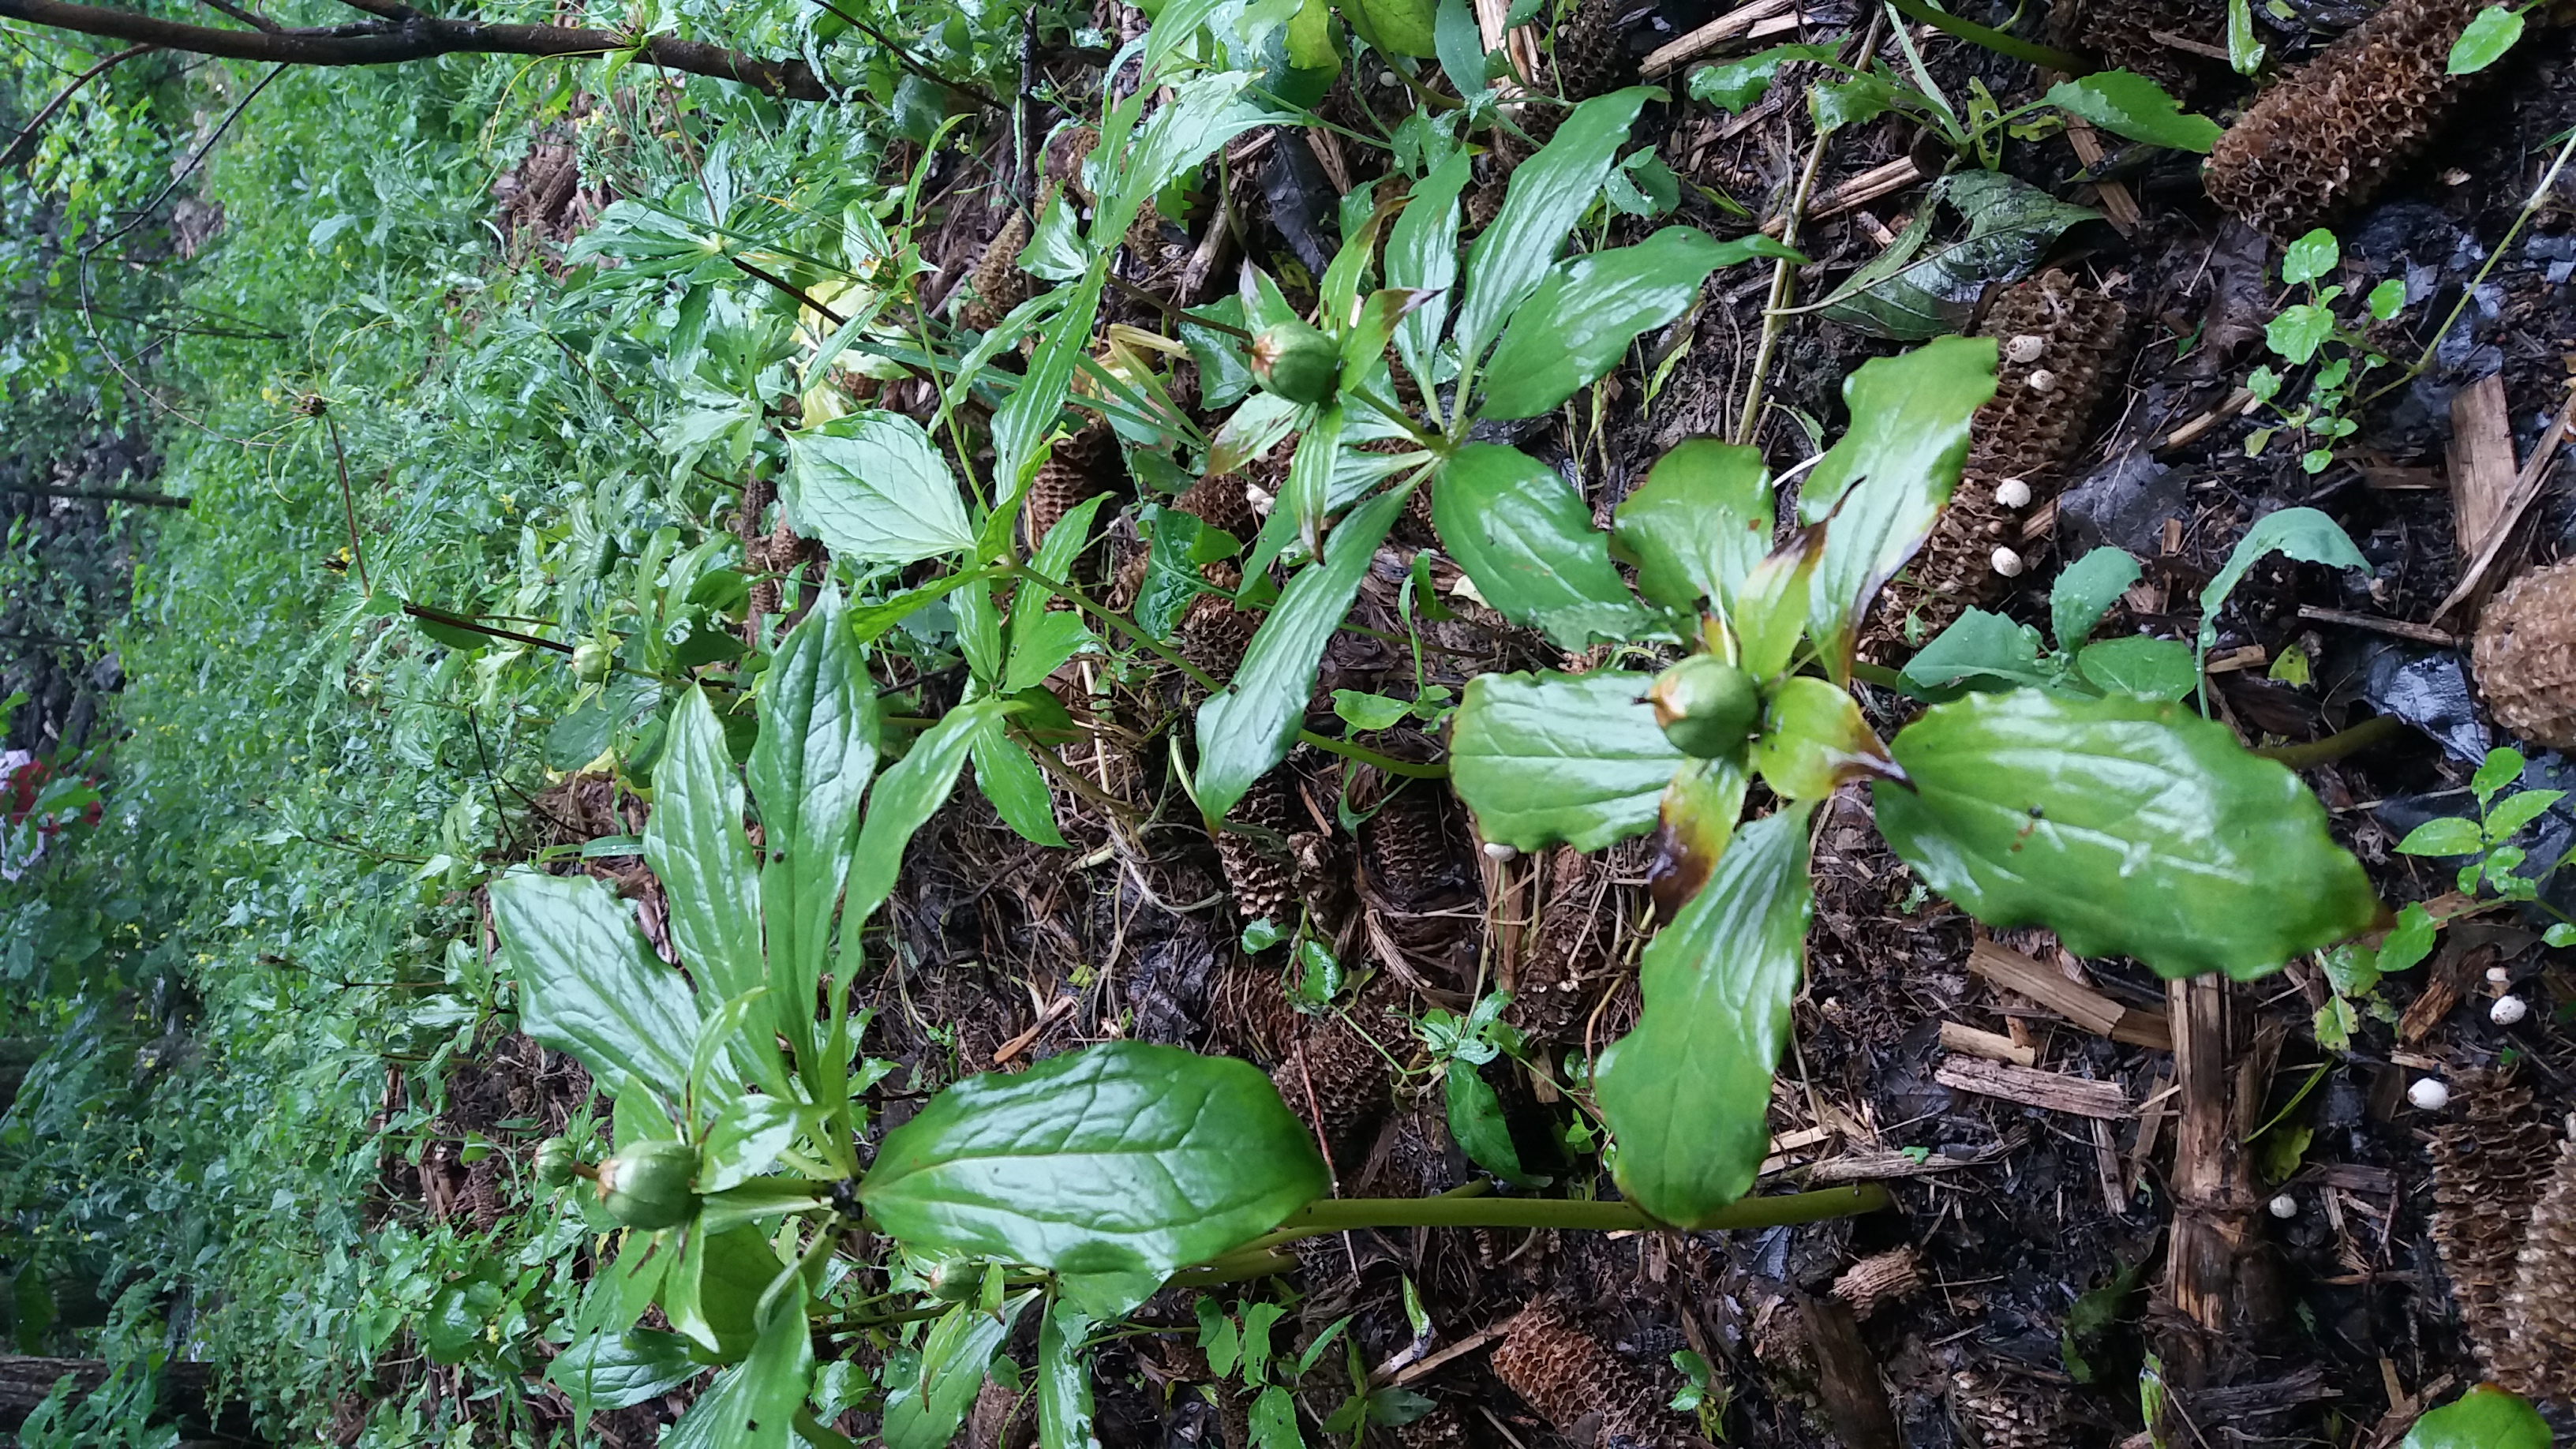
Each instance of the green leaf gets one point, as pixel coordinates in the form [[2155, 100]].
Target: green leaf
[[2086, 589], [1813, 738], [1769, 613], [2127, 826], [2302, 533], [749, 1132], [2408, 942], [1422, 256], [810, 767], [1528, 542], [1111, 1165], [2310, 257], [2148, 668], [2448, 835], [1064, 1380], [1885, 483], [1699, 524], [1738, 84], [2127, 104], [1397, 27], [753, 1405], [1546, 196], [1688, 1093], [589, 985], [1579, 321], [906, 795], [605, 1371], [2490, 33], [1852, 100], [1027, 418], [873, 488], [1699, 812], [713, 1291], [2485, 1417], [2011, 226], [2502, 766], [695, 845], [2244, 52], [2387, 299], [1979, 645], [1545, 759], [1273, 1420], [1476, 1124], [1363, 711], [1009, 777], [1251, 726], [1309, 493], [1043, 638], [925, 1412], [2508, 819], [2299, 331]]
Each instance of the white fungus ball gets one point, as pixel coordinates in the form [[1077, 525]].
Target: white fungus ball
[[2007, 562], [1498, 852], [2507, 1010], [2428, 1094], [2025, 348], [2042, 380], [2497, 976], [2285, 1206], [2013, 493]]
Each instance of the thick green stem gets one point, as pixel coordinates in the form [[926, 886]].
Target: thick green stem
[[1334, 1215], [2337, 745], [1366, 756], [2044, 56]]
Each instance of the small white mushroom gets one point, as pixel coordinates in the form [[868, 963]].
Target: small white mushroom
[[2006, 562], [1389, 79], [1499, 853], [2013, 493], [2497, 976], [2285, 1206], [2428, 1094], [2507, 1010], [1260, 498], [2042, 380], [2025, 348]]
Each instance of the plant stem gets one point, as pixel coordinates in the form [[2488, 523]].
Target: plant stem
[[1366, 756], [2548, 180], [2337, 745], [1334, 1215], [1239, 1266], [2044, 56], [1115, 620]]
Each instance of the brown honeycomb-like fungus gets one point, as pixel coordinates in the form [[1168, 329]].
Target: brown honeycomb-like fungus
[[1874, 1282], [1407, 848], [1219, 501], [1591, 55], [1080, 467], [2324, 138], [1578, 1383], [2539, 1355], [1213, 631], [996, 278], [2060, 349], [1999, 1414], [2526, 656], [1255, 870], [2490, 1162], [1564, 960], [1330, 1067], [2130, 35]]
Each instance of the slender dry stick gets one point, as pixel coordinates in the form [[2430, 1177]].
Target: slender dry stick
[[349, 505], [2538, 193]]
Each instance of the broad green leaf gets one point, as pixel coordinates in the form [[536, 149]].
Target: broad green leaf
[[873, 488], [1545, 759], [1111, 1165], [2485, 1417], [906, 795], [1769, 613], [1699, 812], [2490, 33], [588, 983], [1272, 1422], [2508, 819], [2310, 257], [1911, 297], [1398, 27], [1579, 321], [1698, 524], [2297, 332], [1364, 711], [1009, 777], [1476, 1124], [1528, 542], [1851, 100], [749, 1132], [753, 1404], [1979, 646], [1251, 726], [808, 770], [1422, 256], [1364, 345], [695, 844], [1688, 1093], [2244, 52], [2127, 104], [2126, 826], [871, 622], [2302, 533], [1813, 738], [1064, 1380], [760, 1198], [2085, 591], [2502, 766], [925, 1412], [1884, 485], [1461, 44], [1203, 112], [2147, 668], [1309, 494], [1027, 418], [712, 1293], [1043, 638], [2444, 836], [1737, 84], [605, 1371], [1546, 196]]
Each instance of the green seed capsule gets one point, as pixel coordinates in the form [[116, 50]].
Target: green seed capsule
[[647, 1185], [554, 1162], [1707, 706], [1297, 362], [590, 662]]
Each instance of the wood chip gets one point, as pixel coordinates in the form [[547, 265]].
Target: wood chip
[[1730, 26], [1881, 1164], [1993, 1046], [2475, 580], [2118, 202], [2082, 1005], [2481, 458], [2049, 1091], [2251, 656], [1861, 190], [2420, 633], [1889, 1277], [2190, 432]]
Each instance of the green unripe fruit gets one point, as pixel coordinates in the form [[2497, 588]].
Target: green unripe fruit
[[1707, 706], [647, 1185], [554, 1162], [590, 662], [1297, 362], [956, 1280]]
